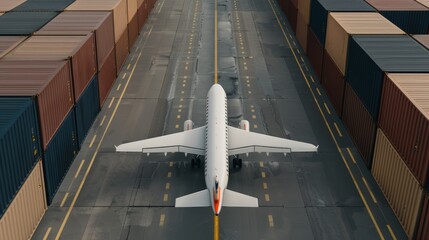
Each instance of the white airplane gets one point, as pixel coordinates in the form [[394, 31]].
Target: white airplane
[[216, 141]]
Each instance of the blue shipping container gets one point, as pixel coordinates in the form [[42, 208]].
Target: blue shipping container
[[43, 6], [19, 145], [24, 23], [411, 22], [87, 109], [59, 155], [369, 56], [320, 9]]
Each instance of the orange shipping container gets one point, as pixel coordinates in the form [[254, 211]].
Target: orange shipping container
[[133, 26], [422, 39], [333, 82], [304, 10], [301, 31], [400, 187], [343, 24], [106, 77], [8, 43], [8, 5], [122, 50], [423, 231], [27, 209], [142, 14], [79, 49], [118, 7], [404, 118]]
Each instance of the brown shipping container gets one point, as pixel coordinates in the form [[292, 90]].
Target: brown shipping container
[[315, 53], [8, 5], [8, 43], [301, 32], [142, 15], [423, 230], [82, 23], [295, 3], [404, 118], [398, 184], [133, 31], [79, 49], [49, 82], [106, 77], [122, 50], [118, 7], [291, 14], [304, 10], [342, 25], [132, 9], [422, 39], [333, 82], [27, 209], [359, 124]]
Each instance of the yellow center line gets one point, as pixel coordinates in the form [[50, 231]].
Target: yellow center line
[[261, 164], [263, 174], [119, 87], [264, 185], [255, 126], [267, 197], [369, 190], [123, 77], [169, 174], [47, 233], [165, 199], [338, 129], [351, 155], [161, 220], [391, 231], [330, 131], [216, 227], [57, 237], [111, 102], [80, 167], [92, 141], [102, 120], [129, 65], [171, 164], [327, 108], [167, 186], [64, 199], [177, 126], [271, 220], [318, 91]]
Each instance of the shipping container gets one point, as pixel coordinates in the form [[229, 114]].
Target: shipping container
[[49, 84], [43, 6], [8, 43], [409, 15], [133, 31], [301, 31], [423, 40], [79, 49], [304, 10], [342, 25], [74, 23], [19, 145], [106, 77], [142, 14], [333, 82], [315, 53], [27, 209], [321, 8], [122, 51], [117, 7], [59, 155], [291, 14], [404, 118], [370, 56], [423, 230], [398, 184], [23, 23], [359, 124], [87, 109], [6, 6]]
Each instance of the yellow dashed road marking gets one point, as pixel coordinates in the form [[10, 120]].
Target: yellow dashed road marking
[[92, 141], [80, 167], [369, 190], [64, 199], [165, 199], [167, 186], [161, 220], [267, 197], [264, 185], [111, 102], [271, 220], [263, 174], [47, 233], [338, 130], [169, 174]]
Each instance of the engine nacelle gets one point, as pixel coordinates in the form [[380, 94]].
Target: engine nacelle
[[188, 125], [244, 125]]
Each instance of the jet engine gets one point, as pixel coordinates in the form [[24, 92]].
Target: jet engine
[[244, 125], [188, 125]]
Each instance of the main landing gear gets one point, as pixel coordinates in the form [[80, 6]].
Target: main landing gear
[[237, 162], [196, 162]]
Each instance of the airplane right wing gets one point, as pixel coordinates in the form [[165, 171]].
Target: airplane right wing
[[241, 141]]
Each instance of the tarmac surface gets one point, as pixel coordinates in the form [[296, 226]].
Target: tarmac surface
[[269, 82]]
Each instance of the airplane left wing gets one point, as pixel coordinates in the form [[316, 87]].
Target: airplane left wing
[[241, 141], [191, 141]]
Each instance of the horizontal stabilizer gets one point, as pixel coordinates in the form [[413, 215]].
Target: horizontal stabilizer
[[235, 199], [197, 199]]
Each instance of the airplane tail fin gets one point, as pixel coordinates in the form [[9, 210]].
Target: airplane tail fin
[[197, 199], [235, 199]]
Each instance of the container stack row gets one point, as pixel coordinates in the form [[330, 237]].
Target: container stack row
[[372, 58], [58, 62]]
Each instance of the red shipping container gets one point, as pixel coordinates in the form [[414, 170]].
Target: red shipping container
[[404, 118], [315, 53], [49, 82], [359, 123], [122, 51], [333, 82], [291, 13], [142, 14], [423, 227], [106, 77], [133, 31]]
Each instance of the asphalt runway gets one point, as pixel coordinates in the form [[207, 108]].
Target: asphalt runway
[[269, 82]]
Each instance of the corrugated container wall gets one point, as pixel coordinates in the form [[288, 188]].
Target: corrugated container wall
[[19, 145], [27, 209], [6, 6], [304, 10], [106, 77], [301, 31], [291, 13], [59, 155], [142, 13], [76, 23], [359, 123], [47, 83], [79, 49], [43, 6], [404, 118], [321, 8], [133, 25], [333, 82], [315, 53], [370, 56], [8, 43], [423, 40], [87, 108], [342, 25], [122, 50], [408, 15], [423, 230], [23, 23], [398, 184]]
